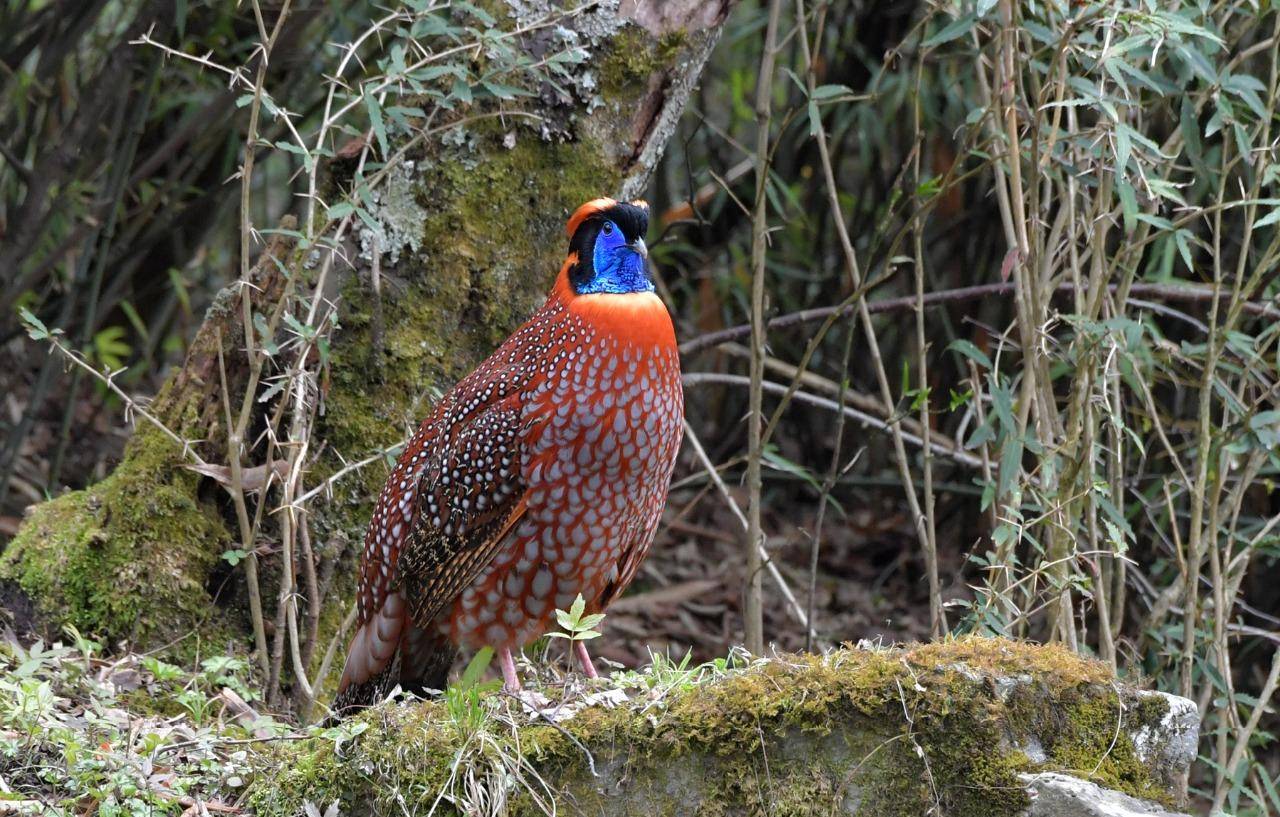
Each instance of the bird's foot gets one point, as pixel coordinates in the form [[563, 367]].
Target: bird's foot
[[510, 681], [584, 658], [531, 699]]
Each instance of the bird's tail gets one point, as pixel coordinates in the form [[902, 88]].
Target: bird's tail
[[387, 650]]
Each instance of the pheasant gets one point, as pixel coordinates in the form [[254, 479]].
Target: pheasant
[[540, 476]]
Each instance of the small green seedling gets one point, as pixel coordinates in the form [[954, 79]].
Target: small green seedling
[[161, 670], [462, 699], [576, 626]]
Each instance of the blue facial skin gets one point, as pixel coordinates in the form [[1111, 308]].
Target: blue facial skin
[[619, 266]]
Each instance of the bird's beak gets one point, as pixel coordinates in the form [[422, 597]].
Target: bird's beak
[[640, 248]]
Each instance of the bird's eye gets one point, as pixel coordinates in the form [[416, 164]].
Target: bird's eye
[[608, 228]]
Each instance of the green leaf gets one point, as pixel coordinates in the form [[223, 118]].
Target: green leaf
[[340, 210], [375, 121], [264, 336], [775, 460], [824, 92], [1183, 239], [480, 14], [1119, 66], [1268, 219], [1221, 113], [970, 351], [1123, 148], [1010, 463], [1128, 204], [179, 285], [431, 25], [135, 320], [1166, 190], [502, 91], [795, 78], [109, 348], [461, 91], [367, 217], [298, 326], [1175, 22], [981, 435], [1190, 128], [1242, 142], [1002, 402], [955, 29], [1247, 89], [1159, 222], [35, 328], [290, 147], [1263, 419], [1039, 31], [475, 668]]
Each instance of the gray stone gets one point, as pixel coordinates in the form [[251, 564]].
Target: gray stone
[[1060, 795], [1170, 746]]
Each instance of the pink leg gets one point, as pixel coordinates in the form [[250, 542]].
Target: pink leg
[[588, 668], [511, 682]]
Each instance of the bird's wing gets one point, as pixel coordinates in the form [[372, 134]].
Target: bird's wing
[[460, 478], [470, 497]]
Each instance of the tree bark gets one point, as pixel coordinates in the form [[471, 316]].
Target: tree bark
[[469, 235]]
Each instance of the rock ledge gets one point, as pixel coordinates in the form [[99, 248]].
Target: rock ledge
[[964, 727]]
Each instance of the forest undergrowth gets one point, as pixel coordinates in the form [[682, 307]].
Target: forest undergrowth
[[979, 304]]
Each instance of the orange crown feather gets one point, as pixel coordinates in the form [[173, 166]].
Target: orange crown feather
[[593, 207]]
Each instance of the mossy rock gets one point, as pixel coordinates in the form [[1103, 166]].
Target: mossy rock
[[128, 559], [934, 729]]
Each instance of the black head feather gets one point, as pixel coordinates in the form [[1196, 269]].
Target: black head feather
[[632, 219]]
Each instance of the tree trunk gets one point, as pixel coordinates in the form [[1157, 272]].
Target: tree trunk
[[469, 235]]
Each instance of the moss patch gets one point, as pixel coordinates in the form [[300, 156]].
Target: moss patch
[[891, 732], [634, 56], [127, 559]]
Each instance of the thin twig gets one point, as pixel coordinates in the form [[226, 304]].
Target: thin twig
[[763, 554], [1163, 292], [752, 610]]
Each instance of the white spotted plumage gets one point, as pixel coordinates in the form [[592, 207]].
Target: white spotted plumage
[[541, 476]]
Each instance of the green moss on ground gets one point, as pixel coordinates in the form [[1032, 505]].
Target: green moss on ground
[[127, 559], [889, 732]]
